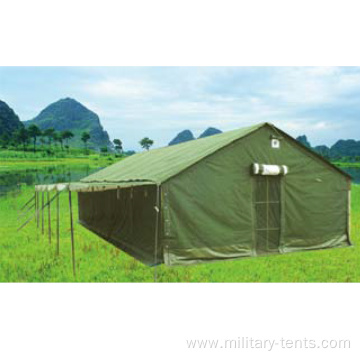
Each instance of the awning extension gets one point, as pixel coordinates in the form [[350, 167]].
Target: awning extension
[[264, 169], [90, 187]]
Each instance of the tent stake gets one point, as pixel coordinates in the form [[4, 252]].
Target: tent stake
[[42, 213], [72, 235], [49, 216], [58, 224], [157, 209]]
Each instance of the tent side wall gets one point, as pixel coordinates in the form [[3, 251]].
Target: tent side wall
[[209, 211], [125, 218]]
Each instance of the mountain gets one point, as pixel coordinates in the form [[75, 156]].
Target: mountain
[[183, 136], [342, 148], [345, 148], [9, 121], [209, 132], [69, 114], [303, 140], [322, 150]]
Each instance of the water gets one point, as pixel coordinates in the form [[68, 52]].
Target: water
[[354, 172], [12, 179]]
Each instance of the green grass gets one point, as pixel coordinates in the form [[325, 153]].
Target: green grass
[[16, 159], [347, 164], [19, 163], [26, 256]]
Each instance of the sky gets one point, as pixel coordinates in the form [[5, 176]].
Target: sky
[[159, 102]]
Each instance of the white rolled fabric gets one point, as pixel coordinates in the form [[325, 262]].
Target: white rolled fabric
[[264, 169], [51, 187]]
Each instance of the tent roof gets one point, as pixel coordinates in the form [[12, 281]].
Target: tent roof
[[159, 165]]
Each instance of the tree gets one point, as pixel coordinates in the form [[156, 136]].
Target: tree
[[22, 137], [5, 140], [49, 133], [34, 133], [118, 145], [57, 138], [60, 139], [66, 135], [146, 143], [85, 137], [42, 141]]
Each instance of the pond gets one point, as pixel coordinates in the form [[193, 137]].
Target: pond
[[354, 172], [12, 179]]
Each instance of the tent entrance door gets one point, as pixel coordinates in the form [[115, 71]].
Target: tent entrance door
[[267, 213]]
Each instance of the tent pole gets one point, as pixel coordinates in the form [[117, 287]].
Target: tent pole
[[58, 224], [157, 209], [27, 203], [72, 235], [42, 208], [42, 213], [37, 209], [49, 216]]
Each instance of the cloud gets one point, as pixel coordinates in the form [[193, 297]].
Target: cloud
[[321, 102], [124, 89]]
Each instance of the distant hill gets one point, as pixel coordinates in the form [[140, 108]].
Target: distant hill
[[342, 148], [69, 114], [9, 121], [209, 132], [303, 140], [187, 135], [345, 148], [183, 136], [322, 150]]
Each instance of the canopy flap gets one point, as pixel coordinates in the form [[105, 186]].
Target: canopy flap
[[90, 187]]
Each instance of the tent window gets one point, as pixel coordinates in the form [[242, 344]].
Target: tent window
[[267, 213]]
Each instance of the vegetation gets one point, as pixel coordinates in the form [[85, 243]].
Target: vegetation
[[341, 151], [118, 145], [34, 132], [26, 256], [69, 114], [146, 143], [85, 137], [9, 122]]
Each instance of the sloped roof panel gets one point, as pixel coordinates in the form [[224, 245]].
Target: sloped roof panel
[[158, 165]]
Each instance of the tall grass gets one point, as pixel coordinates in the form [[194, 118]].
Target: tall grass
[[27, 256]]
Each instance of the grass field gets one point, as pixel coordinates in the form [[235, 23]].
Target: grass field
[[27, 256]]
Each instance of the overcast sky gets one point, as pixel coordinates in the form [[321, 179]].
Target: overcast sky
[[133, 102]]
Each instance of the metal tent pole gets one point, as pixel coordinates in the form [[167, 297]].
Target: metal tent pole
[[49, 216], [37, 209], [27, 203], [58, 224], [42, 209], [72, 234], [157, 209], [42, 213]]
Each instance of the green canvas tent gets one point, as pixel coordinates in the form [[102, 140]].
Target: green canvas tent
[[247, 192]]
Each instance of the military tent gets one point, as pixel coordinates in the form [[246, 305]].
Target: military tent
[[248, 192]]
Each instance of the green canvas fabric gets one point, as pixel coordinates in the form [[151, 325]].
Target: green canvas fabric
[[211, 212], [160, 164], [212, 205]]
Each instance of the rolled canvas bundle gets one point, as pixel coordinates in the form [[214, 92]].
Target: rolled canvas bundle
[[264, 169]]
